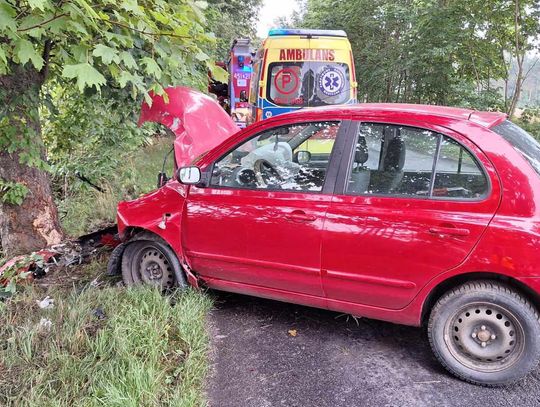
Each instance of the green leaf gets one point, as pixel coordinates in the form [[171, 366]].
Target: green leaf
[[3, 57], [201, 56], [219, 74], [128, 60], [6, 17], [151, 67], [86, 75], [107, 54], [25, 51], [40, 4], [203, 5]]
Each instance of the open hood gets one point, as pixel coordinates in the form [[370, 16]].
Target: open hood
[[198, 121]]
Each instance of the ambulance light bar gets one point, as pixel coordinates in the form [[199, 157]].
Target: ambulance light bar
[[298, 31]]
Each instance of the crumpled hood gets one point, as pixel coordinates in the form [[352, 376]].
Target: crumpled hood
[[197, 120]]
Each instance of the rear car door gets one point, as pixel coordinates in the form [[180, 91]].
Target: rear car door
[[411, 201], [260, 220]]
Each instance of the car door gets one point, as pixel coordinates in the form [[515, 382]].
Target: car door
[[410, 203], [260, 219]]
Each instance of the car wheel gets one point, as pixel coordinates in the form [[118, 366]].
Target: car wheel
[[485, 333], [147, 259]]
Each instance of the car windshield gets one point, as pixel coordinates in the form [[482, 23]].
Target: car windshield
[[305, 84], [521, 141]]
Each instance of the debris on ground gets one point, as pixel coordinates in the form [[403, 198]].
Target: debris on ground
[[46, 303], [61, 256], [99, 314], [45, 325]]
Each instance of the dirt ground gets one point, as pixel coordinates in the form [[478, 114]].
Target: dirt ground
[[333, 361]]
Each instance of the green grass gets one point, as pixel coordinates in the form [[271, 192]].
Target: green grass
[[88, 209], [144, 352]]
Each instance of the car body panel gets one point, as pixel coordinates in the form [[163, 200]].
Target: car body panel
[[197, 121], [504, 239], [385, 241], [251, 237]]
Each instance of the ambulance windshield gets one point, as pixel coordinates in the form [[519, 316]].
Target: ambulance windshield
[[303, 84]]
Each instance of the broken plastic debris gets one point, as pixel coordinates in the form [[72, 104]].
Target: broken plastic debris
[[293, 332], [45, 324], [46, 303], [95, 283]]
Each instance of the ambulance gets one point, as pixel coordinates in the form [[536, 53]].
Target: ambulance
[[299, 68]]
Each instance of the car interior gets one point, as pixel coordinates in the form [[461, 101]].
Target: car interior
[[280, 159], [395, 160]]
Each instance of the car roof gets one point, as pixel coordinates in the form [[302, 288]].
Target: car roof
[[486, 119]]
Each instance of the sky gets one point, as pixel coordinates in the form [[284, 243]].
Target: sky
[[271, 10]]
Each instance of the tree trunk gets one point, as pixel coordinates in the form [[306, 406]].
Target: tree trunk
[[33, 224]]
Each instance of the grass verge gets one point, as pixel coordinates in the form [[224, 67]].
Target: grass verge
[[104, 347]]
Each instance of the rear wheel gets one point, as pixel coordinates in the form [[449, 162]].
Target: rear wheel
[[485, 333], [147, 259]]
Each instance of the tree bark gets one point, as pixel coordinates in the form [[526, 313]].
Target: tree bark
[[34, 224]]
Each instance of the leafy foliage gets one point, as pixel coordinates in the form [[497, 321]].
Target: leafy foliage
[[430, 51], [12, 192], [144, 45], [231, 19]]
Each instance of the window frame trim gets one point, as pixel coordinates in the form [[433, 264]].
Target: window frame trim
[[346, 167]]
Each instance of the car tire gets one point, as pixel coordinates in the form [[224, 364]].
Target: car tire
[[114, 265], [148, 259], [485, 333]]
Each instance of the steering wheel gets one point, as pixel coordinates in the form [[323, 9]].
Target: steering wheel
[[266, 173]]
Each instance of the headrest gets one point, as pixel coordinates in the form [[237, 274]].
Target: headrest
[[394, 159], [361, 152]]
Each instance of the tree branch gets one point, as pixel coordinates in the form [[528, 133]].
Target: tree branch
[[145, 32], [50, 20], [46, 56]]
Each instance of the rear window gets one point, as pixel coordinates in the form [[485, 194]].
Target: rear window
[[521, 141], [304, 84]]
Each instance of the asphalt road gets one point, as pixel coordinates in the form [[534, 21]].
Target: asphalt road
[[333, 361]]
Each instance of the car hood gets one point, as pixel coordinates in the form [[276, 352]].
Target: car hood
[[198, 121]]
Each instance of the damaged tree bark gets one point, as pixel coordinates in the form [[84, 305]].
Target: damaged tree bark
[[33, 224]]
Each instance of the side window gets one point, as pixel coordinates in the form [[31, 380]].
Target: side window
[[393, 160], [457, 173], [293, 157], [399, 160]]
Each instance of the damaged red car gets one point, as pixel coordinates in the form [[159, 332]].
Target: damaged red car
[[418, 215]]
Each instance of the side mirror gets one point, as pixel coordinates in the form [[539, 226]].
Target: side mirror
[[189, 175], [303, 157]]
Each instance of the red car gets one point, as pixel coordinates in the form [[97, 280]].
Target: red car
[[418, 215]]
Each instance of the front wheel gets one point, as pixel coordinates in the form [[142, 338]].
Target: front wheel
[[147, 259], [485, 333]]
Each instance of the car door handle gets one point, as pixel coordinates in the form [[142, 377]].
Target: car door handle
[[300, 216], [440, 230]]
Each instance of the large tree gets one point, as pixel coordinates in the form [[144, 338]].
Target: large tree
[[139, 46]]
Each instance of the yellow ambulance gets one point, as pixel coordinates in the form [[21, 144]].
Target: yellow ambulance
[[298, 68]]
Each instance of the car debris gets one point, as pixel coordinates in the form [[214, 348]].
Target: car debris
[[46, 303], [67, 254]]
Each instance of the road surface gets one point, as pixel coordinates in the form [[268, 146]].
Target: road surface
[[333, 361]]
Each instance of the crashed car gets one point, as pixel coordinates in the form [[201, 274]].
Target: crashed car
[[417, 215]]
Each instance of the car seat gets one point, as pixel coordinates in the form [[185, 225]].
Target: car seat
[[392, 172], [361, 175]]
